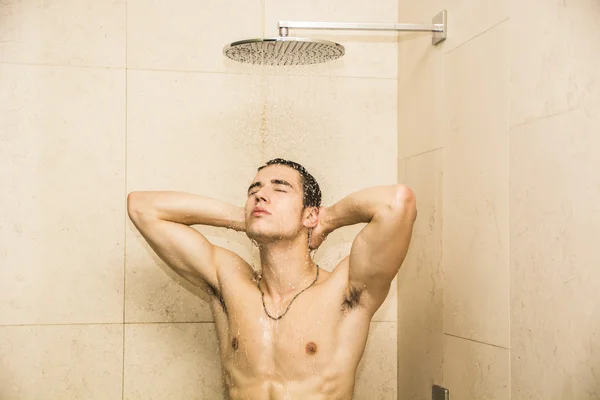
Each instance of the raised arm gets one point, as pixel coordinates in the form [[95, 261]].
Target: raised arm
[[164, 219], [379, 249]]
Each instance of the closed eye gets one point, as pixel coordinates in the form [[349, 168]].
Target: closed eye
[[277, 190]]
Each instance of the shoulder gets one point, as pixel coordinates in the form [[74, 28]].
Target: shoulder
[[231, 267]]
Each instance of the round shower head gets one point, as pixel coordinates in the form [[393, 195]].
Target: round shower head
[[283, 51]]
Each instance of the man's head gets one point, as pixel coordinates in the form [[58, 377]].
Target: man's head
[[291, 197]]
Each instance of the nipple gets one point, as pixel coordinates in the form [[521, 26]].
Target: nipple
[[311, 348]]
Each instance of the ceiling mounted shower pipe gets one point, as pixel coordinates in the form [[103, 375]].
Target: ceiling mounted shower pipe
[[437, 26], [284, 50]]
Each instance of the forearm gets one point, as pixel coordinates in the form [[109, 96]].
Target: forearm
[[186, 208], [362, 206]]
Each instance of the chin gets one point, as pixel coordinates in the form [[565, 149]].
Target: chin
[[263, 236]]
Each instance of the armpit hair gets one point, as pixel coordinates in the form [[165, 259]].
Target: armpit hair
[[215, 293], [351, 299]]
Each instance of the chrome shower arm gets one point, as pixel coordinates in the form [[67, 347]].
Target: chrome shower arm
[[438, 26], [361, 26]]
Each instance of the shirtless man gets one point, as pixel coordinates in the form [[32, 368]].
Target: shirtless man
[[294, 330]]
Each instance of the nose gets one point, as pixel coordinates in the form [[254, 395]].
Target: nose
[[260, 195]]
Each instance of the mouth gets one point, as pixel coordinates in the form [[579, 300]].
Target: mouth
[[260, 211]]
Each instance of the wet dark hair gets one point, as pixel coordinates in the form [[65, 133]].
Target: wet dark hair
[[312, 192]]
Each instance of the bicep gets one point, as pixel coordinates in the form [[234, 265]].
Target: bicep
[[182, 248], [379, 250]]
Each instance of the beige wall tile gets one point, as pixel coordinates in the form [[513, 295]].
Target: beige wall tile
[[61, 362], [555, 214], [420, 312], [60, 32], [376, 373], [420, 91], [189, 35], [468, 19], [180, 360], [420, 82], [368, 53], [476, 371], [555, 58], [63, 157], [475, 233], [181, 138]]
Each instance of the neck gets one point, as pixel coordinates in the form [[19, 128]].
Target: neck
[[286, 267]]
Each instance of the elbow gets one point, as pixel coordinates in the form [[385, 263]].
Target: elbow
[[404, 201], [137, 204]]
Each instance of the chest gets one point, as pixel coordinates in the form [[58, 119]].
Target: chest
[[312, 334]]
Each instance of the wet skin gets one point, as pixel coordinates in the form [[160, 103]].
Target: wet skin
[[310, 353]]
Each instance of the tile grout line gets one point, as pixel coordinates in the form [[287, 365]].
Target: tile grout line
[[476, 341], [508, 185], [110, 323], [420, 154], [125, 215], [398, 121], [542, 117], [34, 64], [476, 36]]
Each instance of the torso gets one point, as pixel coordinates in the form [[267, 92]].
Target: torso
[[310, 353]]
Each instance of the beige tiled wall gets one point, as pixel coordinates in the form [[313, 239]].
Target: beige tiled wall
[[554, 200], [99, 100], [555, 215], [512, 100], [475, 232]]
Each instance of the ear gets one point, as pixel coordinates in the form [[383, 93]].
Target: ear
[[311, 217]]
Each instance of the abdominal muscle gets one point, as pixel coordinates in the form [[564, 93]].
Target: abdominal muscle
[[269, 389]]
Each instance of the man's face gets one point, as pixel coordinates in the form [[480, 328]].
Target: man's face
[[276, 190]]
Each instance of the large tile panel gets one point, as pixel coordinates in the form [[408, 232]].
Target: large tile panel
[[420, 96], [420, 82], [376, 373], [189, 35], [420, 308], [62, 176], [368, 53], [555, 63], [475, 232], [555, 215], [180, 360], [63, 32], [198, 133], [476, 371], [61, 362]]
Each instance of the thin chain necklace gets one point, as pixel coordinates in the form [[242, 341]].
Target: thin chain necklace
[[288, 307]]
